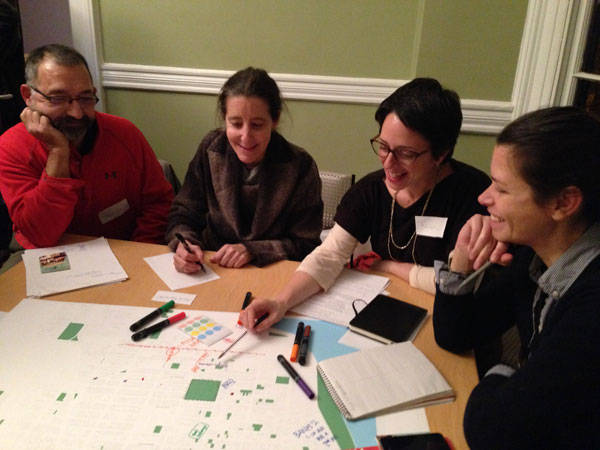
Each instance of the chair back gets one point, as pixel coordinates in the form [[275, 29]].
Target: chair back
[[170, 175], [334, 186]]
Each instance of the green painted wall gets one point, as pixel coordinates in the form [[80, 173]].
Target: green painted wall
[[325, 37], [471, 46]]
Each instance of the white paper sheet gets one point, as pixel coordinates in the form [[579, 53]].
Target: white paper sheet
[[358, 341], [335, 305], [91, 263], [413, 421], [164, 268], [178, 297]]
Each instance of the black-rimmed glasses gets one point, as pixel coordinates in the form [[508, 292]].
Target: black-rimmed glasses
[[403, 155], [85, 101]]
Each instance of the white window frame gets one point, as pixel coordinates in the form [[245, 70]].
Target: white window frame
[[551, 53]]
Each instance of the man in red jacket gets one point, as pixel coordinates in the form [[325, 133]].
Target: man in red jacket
[[68, 168]]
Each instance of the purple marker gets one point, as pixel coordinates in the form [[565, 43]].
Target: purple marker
[[286, 365]]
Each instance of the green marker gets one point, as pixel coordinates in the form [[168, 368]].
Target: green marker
[[157, 312]]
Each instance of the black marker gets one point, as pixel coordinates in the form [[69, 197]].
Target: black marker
[[159, 326], [290, 370], [304, 345], [157, 312], [181, 239]]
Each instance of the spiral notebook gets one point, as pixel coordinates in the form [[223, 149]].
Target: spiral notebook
[[388, 378]]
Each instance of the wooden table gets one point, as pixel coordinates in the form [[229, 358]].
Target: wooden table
[[227, 293]]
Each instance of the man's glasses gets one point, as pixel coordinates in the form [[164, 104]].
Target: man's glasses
[[85, 101], [401, 154]]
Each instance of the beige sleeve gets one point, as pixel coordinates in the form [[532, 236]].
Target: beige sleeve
[[423, 278], [326, 262]]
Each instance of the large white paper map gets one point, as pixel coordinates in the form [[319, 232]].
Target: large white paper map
[[72, 378]]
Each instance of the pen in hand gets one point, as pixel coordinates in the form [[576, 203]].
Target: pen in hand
[[260, 319], [475, 274], [181, 239]]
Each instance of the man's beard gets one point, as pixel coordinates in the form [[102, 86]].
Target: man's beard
[[73, 129]]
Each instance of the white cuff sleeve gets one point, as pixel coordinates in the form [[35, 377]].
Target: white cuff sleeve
[[423, 278], [326, 262]]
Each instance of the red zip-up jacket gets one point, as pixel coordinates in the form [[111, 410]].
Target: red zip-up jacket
[[117, 190]]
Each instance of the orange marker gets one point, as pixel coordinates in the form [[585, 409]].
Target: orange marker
[[297, 340]]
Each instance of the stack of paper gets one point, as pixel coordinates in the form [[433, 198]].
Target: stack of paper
[[68, 267], [335, 305]]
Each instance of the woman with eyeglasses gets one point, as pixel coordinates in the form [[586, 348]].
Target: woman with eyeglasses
[[545, 198], [419, 188], [249, 194]]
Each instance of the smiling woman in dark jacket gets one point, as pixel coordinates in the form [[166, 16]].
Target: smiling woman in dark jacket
[[249, 195], [544, 197]]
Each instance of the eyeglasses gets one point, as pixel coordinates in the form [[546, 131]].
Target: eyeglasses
[[401, 154], [85, 101]]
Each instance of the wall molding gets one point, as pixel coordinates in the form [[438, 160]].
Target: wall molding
[[85, 28], [480, 116], [542, 54]]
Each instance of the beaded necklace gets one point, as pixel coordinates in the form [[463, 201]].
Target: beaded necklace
[[413, 238]]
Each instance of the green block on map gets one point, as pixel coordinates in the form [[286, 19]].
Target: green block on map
[[203, 390], [70, 333]]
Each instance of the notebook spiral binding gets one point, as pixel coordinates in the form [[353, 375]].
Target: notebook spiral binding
[[334, 395]]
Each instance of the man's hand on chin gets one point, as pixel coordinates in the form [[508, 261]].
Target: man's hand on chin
[[56, 142]]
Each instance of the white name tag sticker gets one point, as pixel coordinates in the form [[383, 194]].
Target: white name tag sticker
[[114, 211], [177, 297], [430, 226]]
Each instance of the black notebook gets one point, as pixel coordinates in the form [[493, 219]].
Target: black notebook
[[388, 320]]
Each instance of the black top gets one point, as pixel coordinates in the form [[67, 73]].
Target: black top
[[365, 212], [553, 400]]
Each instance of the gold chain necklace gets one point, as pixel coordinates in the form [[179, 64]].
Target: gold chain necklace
[[413, 238]]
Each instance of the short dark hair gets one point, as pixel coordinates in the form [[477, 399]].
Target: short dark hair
[[554, 148], [424, 106], [252, 82], [61, 54]]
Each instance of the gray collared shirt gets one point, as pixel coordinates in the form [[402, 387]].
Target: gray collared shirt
[[558, 278]]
